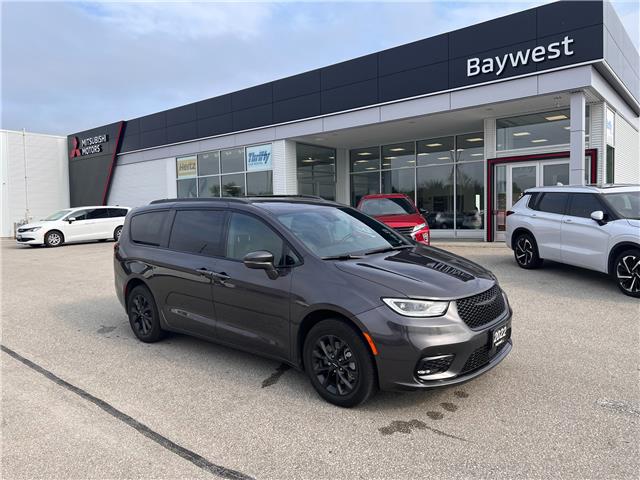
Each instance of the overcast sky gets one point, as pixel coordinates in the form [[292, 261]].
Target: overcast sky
[[71, 66]]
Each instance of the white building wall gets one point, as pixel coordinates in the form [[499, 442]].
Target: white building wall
[[627, 152], [136, 184], [597, 135], [34, 177]]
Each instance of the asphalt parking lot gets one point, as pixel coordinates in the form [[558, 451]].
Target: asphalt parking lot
[[565, 403]]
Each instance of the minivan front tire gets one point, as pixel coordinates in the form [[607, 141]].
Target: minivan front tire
[[143, 315], [339, 364], [54, 238]]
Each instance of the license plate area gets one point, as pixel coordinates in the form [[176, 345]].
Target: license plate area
[[499, 335]]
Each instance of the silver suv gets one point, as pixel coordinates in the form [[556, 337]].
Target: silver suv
[[592, 227]]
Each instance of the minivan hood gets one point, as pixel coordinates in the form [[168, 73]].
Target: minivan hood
[[32, 225], [422, 272]]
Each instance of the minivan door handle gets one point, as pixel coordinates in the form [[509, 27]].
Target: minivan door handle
[[206, 272]]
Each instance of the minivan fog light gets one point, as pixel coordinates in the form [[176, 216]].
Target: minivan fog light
[[416, 308]]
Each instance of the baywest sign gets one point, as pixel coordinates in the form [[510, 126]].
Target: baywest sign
[[88, 146], [541, 53]]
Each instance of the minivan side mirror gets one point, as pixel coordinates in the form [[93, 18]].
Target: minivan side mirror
[[71, 219], [598, 216], [261, 260]]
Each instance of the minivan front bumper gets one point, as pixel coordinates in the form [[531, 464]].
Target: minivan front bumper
[[456, 352]]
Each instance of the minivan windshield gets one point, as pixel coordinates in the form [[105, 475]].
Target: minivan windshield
[[56, 216], [626, 204], [333, 232], [387, 206]]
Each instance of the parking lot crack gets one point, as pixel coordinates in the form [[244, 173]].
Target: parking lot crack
[[173, 447], [619, 406]]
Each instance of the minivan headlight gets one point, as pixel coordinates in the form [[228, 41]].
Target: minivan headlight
[[417, 308], [32, 229]]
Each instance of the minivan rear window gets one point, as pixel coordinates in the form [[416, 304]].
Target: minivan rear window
[[198, 231], [146, 228]]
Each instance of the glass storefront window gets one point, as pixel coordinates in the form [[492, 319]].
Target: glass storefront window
[[232, 185], [398, 155], [364, 184], [399, 181], [209, 186], [365, 159], [470, 147], [187, 188], [232, 160], [435, 151], [200, 175], [435, 194], [316, 170], [209, 163], [260, 183], [535, 130], [470, 195]]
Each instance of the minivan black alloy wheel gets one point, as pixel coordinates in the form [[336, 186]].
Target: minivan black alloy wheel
[[143, 315], [627, 272], [334, 365], [525, 251], [339, 364]]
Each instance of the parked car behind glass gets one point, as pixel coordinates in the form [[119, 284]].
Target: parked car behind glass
[[74, 225], [591, 227], [315, 284], [399, 212]]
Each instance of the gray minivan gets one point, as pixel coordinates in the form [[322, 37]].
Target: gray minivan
[[316, 284]]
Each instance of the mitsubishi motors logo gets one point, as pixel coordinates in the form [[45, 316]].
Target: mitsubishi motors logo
[[89, 145], [75, 151]]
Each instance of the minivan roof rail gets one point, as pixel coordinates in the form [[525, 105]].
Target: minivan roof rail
[[246, 199]]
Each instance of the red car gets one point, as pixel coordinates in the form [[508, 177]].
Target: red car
[[399, 212]]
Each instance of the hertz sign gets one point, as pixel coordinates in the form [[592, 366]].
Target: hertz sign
[[88, 146]]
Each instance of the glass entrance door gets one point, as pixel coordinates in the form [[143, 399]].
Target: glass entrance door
[[511, 181]]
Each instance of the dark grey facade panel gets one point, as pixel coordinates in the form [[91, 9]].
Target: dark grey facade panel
[[182, 132], [352, 71], [153, 137], [410, 83], [252, 97], [494, 34], [184, 114], [298, 107], [414, 55], [213, 107], [154, 121], [587, 45], [350, 96], [132, 127], [296, 86], [130, 142], [562, 17], [253, 117], [215, 125]]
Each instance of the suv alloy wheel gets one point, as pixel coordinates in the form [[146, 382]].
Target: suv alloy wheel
[[526, 251], [627, 272]]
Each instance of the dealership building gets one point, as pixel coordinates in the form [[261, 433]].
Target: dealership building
[[461, 122]]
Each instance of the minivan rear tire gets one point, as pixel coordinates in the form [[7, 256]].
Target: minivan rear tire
[[525, 251], [335, 356], [143, 315]]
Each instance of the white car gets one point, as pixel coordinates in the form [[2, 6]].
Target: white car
[[74, 225], [592, 227]]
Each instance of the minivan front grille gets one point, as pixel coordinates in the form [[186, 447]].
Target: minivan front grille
[[479, 358], [406, 231], [483, 308]]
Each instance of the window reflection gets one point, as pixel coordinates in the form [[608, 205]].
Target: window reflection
[[435, 194], [470, 195], [316, 170], [398, 155], [435, 151]]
